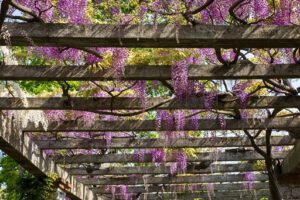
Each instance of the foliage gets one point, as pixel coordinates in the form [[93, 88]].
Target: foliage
[[18, 184]]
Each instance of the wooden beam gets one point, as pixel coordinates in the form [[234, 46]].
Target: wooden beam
[[128, 103], [150, 125], [194, 195], [191, 169], [237, 196], [123, 143], [181, 188], [171, 180], [129, 158], [164, 36], [148, 72]]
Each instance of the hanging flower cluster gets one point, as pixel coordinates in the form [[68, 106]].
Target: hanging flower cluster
[[119, 59], [249, 179], [108, 138], [181, 160], [140, 87], [210, 190], [139, 155], [222, 121], [239, 89], [158, 156], [183, 87]]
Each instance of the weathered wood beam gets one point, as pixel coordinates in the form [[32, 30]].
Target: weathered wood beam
[[129, 158], [170, 180], [191, 169], [242, 194], [128, 103], [164, 36], [194, 195], [186, 197], [123, 143], [149, 72], [150, 125], [181, 188]]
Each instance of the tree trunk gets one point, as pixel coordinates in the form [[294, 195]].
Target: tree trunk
[[273, 183]]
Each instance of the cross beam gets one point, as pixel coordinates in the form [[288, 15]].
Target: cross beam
[[170, 180], [123, 143], [249, 155], [182, 188], [129, 103], [150, 125], [164, 36], [148, 72], [191, 169]]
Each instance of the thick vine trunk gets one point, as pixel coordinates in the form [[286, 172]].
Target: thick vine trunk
[[273, 183]]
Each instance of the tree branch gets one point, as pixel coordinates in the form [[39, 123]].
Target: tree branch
[[27, 11], [232, 13], [4, 8]]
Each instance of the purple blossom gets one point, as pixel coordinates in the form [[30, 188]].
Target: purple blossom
[[279, 148], [209, 100], [119, 61], [180, 77], [139, 155], [158, 156], [194, 187], [108, 138], [249, 178], [123, 192], [173, 168], [57, 54], [283, 12], [239, 90], [160, 115], [179, 120], [114, 10], [194, 120], [181, 160], [210, 189], [91, 58], [73, 11], [49, 151], [140, 86], [222, 121], [55, 115]]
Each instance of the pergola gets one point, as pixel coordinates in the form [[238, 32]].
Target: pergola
[[86, 177]]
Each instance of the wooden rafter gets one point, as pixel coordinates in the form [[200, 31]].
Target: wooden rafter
[[150, 125], [199, 36], [129, 158], [170, 180], [191, 169], [123, 143], [149, 72], [129, 103], [186, 187], [192, 195]]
